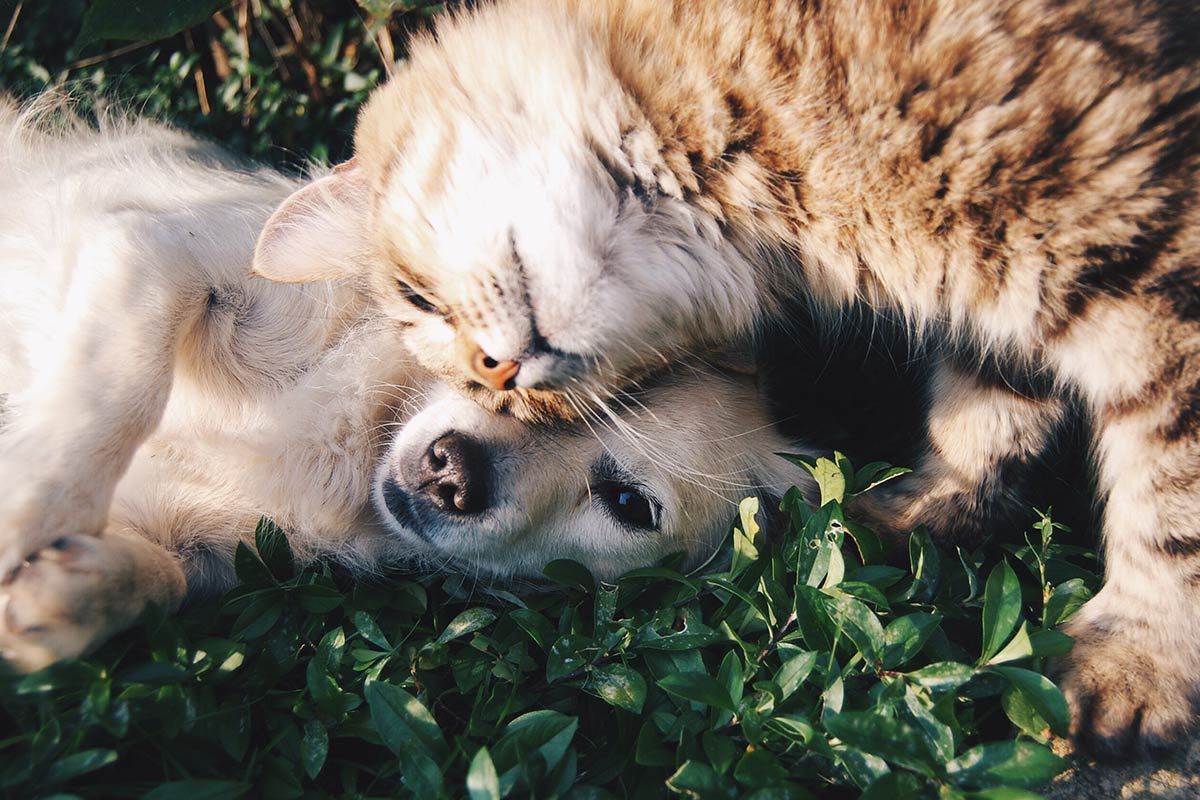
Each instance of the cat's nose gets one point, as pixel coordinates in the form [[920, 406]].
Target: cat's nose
[[453, 475], [496, 375]]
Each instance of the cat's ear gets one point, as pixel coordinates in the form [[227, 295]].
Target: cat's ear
[[319, 232]]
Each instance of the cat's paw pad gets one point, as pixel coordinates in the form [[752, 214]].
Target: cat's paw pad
[[1126, 699], [57, 603]]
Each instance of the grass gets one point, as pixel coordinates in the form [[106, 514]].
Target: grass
[[804, 667]]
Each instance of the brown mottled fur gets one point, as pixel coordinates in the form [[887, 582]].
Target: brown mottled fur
[[1013, 180]]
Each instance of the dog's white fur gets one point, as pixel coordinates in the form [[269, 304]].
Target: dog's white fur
[[158, 400]]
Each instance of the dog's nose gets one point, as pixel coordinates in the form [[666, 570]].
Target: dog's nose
[[453, 475], [496, 375]]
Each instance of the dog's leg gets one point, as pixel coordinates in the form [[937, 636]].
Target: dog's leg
[[981, 437], [100, 388], [80, 590]]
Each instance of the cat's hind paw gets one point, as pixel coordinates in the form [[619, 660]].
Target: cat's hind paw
[[1126, 699]]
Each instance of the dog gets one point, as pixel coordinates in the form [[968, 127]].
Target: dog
[[158, 400]]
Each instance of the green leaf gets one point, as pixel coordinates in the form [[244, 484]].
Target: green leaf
[[697, 779], [369, 630], [830, 478], [314, 748], [542, 734], [894, 786], [198, 790], [272, 545], [1042, 695], [874, 474], [892, 740], [648, 749], [745, 552], [793, 672], [76, 764], [759, 768], [469, 621], [1018, 647], [483, 783], [860, 624], [249, 568], [812, 618], [620, 686], [534, 624], [925, 565], [697, 687], [566, 657], [944, 676], [1017, 763], [409, 731], [905, 636], [1001, 609], [132, 20], [1067, 598], [570, 574]]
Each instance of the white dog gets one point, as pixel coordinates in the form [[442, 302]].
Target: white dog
[[156, 400]]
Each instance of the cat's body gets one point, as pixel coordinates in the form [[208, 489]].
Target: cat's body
[[603, 185]]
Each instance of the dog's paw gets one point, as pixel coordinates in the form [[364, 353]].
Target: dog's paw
[[1127, 697], [61, 601]]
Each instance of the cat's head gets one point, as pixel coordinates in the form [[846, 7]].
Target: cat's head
[[485, 493], [510, 207]]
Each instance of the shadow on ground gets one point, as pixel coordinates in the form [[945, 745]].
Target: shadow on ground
[[1175, 777]]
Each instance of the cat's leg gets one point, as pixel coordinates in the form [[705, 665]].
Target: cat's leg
[[1133, 676], [982, 435], [80, 590], [99, 387]]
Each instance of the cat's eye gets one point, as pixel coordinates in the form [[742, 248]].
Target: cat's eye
[[628, 504], [415, 298]]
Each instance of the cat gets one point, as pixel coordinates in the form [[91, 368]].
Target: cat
[[556, 198], [158, 400]]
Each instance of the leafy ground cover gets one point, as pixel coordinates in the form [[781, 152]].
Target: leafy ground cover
[[804, 667]]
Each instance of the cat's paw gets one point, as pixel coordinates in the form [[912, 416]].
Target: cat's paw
[[1128, 697], [61, 601]]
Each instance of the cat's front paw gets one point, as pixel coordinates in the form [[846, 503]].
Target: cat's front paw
[[1128, 696], [61, 601]]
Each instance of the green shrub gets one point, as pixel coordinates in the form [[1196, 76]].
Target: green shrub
[[806, 667]]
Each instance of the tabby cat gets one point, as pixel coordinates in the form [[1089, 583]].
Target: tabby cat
[[601, 186]]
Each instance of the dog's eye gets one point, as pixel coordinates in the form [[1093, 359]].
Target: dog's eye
[[413, 296], [628, 505]]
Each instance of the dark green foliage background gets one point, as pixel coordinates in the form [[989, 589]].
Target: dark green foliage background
[[807, 667]]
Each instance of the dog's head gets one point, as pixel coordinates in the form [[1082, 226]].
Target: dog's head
[[622, 488]]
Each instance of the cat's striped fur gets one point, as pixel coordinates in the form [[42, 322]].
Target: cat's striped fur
[[603, 184]]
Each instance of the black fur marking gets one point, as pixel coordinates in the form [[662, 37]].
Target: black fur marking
[[943, 187], [1180, 546], [907, 96], [937, 141], [997, 371], [1187, 418], [1181, 289]]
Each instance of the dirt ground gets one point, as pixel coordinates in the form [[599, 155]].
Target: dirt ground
[[1176, 777]]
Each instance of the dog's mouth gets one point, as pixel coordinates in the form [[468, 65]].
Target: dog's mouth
[[399, 504]]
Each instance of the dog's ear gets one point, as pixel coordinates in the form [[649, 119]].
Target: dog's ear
[[319, 232]]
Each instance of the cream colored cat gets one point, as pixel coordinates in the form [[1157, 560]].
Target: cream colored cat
[[556, 198]]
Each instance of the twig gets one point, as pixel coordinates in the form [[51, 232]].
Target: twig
[[91, 61], [387, 48], [12, 23], [198, 76]]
